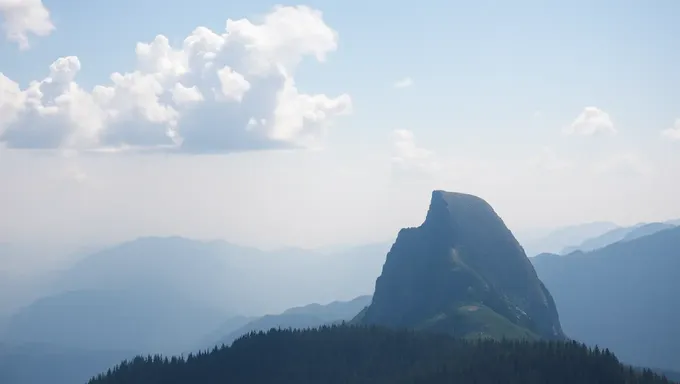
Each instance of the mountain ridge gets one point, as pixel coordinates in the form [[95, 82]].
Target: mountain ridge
[[463, 271], [626, 288]]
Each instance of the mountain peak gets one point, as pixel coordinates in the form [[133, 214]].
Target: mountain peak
[[461, 268]]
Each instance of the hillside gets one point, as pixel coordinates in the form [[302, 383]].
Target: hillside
[[462, 272], [349, 355], [623, 296], [308, 316]]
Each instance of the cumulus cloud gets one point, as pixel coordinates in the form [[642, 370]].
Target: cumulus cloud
[[21, 18], [590, 122], [216, 92], [404, 83], [672, 133], [407, 156]]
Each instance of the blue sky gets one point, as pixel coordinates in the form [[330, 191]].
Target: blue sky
[[495, 86]]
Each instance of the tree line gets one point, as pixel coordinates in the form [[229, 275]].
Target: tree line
[[342, 354]]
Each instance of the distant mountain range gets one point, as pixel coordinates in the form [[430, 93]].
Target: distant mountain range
[[560, 238], [618, 234], [170, 295], [309, 316], [44, 363], [623, 297], [118, 297], [461, 272], [66, 365], [589, 236]]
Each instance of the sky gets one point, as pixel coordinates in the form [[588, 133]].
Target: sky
[[330, 122]]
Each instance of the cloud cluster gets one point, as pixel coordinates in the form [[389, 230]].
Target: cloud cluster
[[23, 17], [216, 92], [591, 121], [408, 157], [672, 133]]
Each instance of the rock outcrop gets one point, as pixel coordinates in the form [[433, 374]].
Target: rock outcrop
[[462, 272]]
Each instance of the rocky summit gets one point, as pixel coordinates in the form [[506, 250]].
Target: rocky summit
[[462, 272]]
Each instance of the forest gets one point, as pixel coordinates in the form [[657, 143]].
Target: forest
[[362, 354]]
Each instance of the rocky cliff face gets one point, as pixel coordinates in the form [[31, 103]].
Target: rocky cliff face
[[463, 272]]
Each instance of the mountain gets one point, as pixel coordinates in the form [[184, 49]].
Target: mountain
[[623, 297], [161, 321], [241, 280], [337, 310], [43, 363], [462, 272], [561, 238], [226, 327], [309, 316], [117, 297], [646, 230], [358, 355], [618, 234]]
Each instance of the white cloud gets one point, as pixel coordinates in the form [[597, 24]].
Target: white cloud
[[672, 133], [404, 83], [214, 93], [591, 121], [407, 156], [23, 17], [233, 84], [185, 95]]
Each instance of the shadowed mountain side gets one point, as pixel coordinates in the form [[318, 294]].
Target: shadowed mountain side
[[623, 297], [462, 271]]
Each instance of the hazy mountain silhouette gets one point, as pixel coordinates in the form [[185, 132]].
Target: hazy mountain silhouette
[[618, 234], [623, 297], [462, 272], [43, 363], [166, 295], [141, 320], [646, 230], [61, 362], [558, 239], [308, 316], [155, 277]]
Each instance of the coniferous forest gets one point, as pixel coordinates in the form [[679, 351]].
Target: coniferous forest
[[349, 354]]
